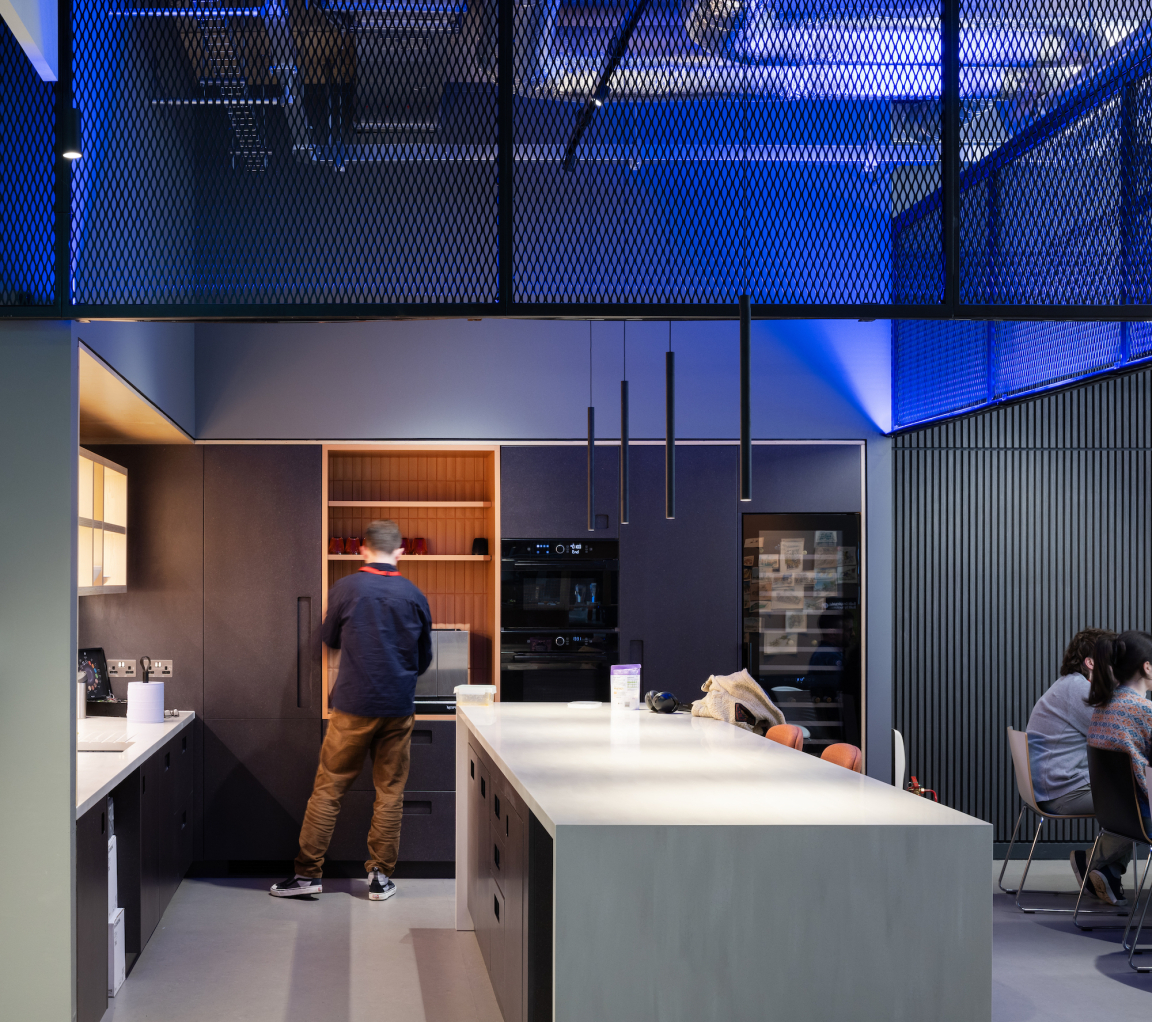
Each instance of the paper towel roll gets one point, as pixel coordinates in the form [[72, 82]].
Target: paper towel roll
[[146, 702]]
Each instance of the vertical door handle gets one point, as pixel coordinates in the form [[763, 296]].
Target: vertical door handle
[[303, 652]]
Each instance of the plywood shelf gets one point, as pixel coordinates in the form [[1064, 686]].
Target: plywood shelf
[[409, 503], [407, 558]]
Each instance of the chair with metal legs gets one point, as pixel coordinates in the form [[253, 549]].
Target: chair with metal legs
[[1116, 799], [1022, 766]]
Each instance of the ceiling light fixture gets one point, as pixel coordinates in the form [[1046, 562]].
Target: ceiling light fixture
[[70, 142]]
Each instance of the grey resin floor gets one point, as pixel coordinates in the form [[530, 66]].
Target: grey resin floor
[[226, 950], [1043, 968]]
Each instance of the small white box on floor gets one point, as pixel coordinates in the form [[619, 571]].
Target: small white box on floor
[[113, 890], [115, 952]]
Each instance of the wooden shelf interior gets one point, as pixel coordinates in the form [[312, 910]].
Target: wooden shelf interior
[[448, 498]]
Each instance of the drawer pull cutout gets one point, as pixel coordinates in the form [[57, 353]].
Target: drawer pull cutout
[[496, 805], [422, 737], [417, 808], [496, 855], [496, 907]]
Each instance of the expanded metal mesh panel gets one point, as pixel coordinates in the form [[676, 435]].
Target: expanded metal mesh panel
[[939, 368], [342, 152], [1033, 355], [27, 180], [947, 368], [670, 152]]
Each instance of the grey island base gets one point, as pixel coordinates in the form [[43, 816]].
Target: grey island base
[[626, 865]]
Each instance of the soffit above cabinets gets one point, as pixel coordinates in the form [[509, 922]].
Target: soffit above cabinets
[[113, 412]]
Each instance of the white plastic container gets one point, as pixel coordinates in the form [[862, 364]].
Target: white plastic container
[[115, 952], [145, 702], [475, 695]]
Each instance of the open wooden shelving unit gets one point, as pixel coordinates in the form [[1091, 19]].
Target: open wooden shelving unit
[[448, 495]]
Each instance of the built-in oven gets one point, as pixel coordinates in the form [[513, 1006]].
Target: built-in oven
[[558, 616]]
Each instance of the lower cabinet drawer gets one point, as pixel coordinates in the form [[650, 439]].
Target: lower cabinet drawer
[[427, 830]]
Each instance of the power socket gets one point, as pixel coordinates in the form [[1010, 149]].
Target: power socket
[[161, 670], [121, 668]]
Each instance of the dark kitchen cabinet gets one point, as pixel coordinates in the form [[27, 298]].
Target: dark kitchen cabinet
[[92, 914], [262, 589], [257, 778], [433, 762], [544, 491], [677, 597], [149, 838], [175, 814], [509, 892], [427, 830]]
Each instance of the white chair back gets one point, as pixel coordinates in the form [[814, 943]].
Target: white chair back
[[899, 764], [1018, 743]]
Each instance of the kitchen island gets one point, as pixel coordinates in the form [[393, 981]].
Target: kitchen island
[[629, 865]]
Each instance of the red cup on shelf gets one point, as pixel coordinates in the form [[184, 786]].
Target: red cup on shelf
[[335, 545], [406, 545], [352, 545], [419, 545]]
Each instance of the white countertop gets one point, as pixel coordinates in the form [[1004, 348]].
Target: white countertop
[[97, 773], [603, 767]]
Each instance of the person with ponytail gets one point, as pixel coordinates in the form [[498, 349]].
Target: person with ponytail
[[1122, 714], [1058, 752]]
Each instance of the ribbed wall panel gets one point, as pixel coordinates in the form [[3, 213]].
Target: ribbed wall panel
[[1014, 528]]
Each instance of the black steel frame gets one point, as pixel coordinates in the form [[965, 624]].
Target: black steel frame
[[953, 182]]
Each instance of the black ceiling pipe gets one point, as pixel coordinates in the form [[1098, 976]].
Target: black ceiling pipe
[[591, 469], [623, 452], [670, 435], [745, 399]]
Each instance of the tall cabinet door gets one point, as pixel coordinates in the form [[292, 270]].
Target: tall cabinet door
[[262, 581]]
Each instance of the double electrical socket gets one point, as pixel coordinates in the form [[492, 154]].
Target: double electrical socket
[[161, 669]]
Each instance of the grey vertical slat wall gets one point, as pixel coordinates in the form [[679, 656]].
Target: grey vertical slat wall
[[1014, 528]]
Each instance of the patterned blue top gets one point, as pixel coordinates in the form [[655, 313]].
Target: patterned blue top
[[1125, 725]]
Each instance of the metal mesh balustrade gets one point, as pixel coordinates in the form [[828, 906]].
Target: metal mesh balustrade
[[348, 157], [27, 181], [285, 154], [942, 369]]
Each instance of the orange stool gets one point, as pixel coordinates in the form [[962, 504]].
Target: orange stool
[[786, 734], [845, 755]]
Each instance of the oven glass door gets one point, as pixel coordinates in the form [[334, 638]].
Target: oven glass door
[[558, 595]]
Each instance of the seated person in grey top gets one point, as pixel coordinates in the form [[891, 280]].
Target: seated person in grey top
[[1058, 746]]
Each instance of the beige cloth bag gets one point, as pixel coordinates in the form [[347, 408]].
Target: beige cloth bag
[[723, 691]]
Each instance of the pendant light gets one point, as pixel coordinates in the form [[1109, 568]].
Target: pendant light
[[624, 434], [670, 429], [745, 399], [591, 442]]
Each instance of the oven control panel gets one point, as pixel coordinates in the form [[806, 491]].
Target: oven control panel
[[560, 549]]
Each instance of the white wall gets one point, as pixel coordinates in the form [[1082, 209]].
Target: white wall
[[38, 371], [517, 380], [158, 359]]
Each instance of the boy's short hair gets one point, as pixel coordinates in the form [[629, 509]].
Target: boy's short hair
[[1083, 645], [382, 535]]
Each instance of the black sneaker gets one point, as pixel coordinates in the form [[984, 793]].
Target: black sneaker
[[1107, 887], [296, 886], [1079, 861], [380, 887]]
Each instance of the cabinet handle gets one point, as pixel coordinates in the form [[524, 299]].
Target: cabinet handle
[[184, 819], [421, 737], [471, 769], [184, 744], [167, 760], [505, 824], [483, 793], [496, 855], [496, 805], [496, 907], [303, 652]]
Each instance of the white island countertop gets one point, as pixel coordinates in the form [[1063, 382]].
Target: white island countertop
[[97, 773], [599, 767]]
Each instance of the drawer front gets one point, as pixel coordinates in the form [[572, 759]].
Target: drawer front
[[427, 831], [433, 758]]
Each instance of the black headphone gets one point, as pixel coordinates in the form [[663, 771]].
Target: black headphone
[[663, 702]]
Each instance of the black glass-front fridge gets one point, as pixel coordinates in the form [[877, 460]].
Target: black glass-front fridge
[[801, 607]]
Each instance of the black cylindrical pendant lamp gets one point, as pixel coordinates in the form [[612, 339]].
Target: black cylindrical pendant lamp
[[591, 469], [623, 452], [670, 435], [745, 398]]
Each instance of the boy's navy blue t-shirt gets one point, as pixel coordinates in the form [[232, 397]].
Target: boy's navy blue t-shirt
[[382, 626]]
